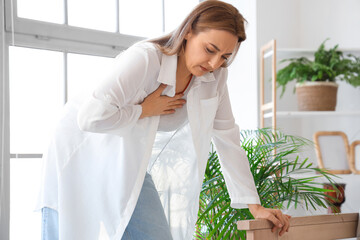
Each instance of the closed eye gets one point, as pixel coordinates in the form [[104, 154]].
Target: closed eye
[[210, 51]]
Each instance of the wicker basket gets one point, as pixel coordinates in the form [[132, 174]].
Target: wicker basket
[[316, 96]]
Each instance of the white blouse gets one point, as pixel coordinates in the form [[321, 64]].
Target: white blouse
[[171, 122], [96, 162]]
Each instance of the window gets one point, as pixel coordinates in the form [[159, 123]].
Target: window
[[36, 96], [85, 72], [43, 10], [24, 184], [135, 20], [53, 51], [93, 14]]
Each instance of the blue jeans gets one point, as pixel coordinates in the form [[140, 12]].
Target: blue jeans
[[148, 221]]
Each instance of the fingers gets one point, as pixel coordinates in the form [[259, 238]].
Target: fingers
[[176, 97], [171, 108], [179, 95], [286, 225], [280, 221], [284, 222], [167, 112], [286, 219], [277, 223], [177, 101], [175, 106], [157, 104]]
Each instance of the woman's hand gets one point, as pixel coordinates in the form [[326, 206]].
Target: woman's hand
[[156, 104], [279, 219]]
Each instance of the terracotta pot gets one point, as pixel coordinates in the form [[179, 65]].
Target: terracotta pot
[[316, 96], [339, 197]]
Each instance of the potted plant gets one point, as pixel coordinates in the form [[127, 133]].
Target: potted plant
[[316, 87], [273, 174]]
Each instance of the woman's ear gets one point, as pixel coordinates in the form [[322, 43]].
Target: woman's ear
[[188, 35]]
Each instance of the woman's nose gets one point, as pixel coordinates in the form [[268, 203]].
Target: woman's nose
[[215, 62], [212, 65]]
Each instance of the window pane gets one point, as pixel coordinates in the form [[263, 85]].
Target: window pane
[[93, 14], [176, 11], [43, 10], [141, 17], [24, 186], [36, 97], [85, 72]]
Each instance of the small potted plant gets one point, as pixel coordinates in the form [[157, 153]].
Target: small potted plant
[[316, 88]]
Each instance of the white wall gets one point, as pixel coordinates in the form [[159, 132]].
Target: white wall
[[341, 23], [306, 24], [278, 19], [337, 19], [242, 81]]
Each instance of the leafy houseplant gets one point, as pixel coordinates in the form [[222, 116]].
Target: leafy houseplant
[[327, 66], [273, 176]]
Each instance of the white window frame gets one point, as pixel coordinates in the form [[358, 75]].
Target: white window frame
[[4, 131], [62, 37]]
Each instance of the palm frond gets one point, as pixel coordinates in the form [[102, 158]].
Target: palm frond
[[278, 172]]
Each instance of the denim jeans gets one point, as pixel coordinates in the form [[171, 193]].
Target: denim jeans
[[148, 221], [49, 224]]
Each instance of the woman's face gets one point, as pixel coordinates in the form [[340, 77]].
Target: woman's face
[[208, 50]]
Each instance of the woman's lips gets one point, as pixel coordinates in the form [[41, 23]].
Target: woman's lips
[[204, 69]]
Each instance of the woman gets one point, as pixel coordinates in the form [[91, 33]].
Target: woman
[[134, 170]]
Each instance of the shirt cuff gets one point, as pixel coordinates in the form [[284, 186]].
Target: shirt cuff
[[242, 202]]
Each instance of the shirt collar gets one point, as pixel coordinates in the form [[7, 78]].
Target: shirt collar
[[167, 74], [207, 77]]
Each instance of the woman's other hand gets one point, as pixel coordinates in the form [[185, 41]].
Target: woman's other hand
[[279, 219], [157, 104]]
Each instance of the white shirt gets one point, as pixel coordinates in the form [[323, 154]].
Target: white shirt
[[175, 120], [97, 160]]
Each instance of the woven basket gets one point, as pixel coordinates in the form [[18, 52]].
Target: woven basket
[[316, 96]]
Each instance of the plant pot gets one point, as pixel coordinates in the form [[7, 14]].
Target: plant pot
[[316, 96], [338, 198]]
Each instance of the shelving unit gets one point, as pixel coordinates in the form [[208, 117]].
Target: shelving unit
[[297, 114], [307, 123], [269, 110], [270, 50], [295, 52], [270, 47]]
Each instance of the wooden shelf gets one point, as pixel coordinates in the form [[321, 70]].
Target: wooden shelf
[[299, 114], [297, 52]]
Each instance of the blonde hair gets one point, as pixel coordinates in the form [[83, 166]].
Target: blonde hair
[[211, 14]]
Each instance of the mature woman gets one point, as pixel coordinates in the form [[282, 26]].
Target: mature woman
[[128, 162]]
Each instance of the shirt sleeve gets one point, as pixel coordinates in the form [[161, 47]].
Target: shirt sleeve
[[233, 160], [112, 107]]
